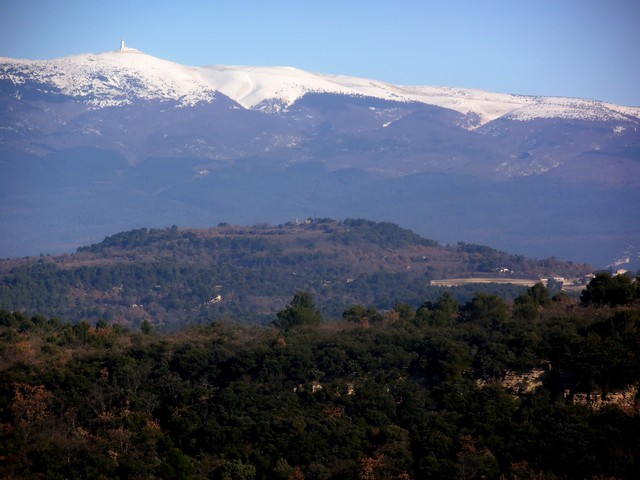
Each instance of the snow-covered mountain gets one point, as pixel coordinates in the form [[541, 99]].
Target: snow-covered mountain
[[115, 78], [93, 144]]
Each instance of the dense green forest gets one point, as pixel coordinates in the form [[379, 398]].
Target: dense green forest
[[544, 386], [172, 277]]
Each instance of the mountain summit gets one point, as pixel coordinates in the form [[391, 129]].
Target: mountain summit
[[115, 78], [97, 143]]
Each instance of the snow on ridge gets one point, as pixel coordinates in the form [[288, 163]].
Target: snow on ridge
[[250, 86], [114, 78], [573, 108]]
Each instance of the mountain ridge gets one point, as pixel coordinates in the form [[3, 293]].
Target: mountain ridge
[[93, 144], [274, 88]]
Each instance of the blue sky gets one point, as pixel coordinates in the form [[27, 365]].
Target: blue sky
[[576, 48]]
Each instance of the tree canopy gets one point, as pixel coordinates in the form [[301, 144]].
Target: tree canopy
[[301, 311], [448, 390]]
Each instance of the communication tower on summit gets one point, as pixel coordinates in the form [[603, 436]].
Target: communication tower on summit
[[122, 46]]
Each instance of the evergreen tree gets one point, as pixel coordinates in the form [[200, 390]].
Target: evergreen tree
[[301, 311]]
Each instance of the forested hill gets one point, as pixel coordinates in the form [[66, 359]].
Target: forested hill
[[541, 388], [172, 276]]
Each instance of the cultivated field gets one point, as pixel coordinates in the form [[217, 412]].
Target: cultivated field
[[455, 282]]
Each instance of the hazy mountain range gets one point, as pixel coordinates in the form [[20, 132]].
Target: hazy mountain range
[[95, 144]]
